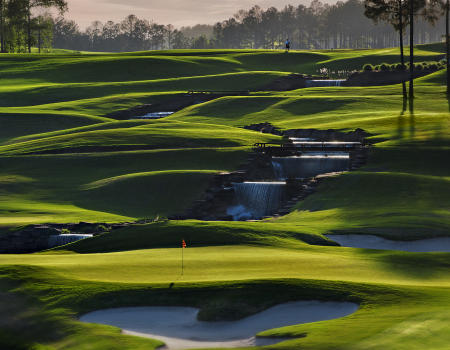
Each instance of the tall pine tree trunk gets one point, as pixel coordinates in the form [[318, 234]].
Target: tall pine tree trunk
[[402, 55], [447, 42], [2, 28], [29, 29], [411, 49], [39, 37]]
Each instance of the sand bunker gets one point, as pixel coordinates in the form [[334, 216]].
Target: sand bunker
[[179, 328], [374, 242]]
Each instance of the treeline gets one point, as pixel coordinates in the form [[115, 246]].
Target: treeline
[[131, 34], [26, 23], [317, 26]]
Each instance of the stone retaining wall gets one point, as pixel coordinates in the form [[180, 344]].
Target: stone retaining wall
[[34, 238]]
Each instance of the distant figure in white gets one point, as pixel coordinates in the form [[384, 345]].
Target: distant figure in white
[[288, 45]]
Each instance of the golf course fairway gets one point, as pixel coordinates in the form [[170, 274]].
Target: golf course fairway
[[64, 159]]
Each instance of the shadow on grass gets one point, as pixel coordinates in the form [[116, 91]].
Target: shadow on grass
[[226, 300], [25, 321], [423, 266], [306, 106], [401, 121], [169, 234], [412, 120]]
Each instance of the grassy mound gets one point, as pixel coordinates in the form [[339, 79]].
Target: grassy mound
[[198, 234], [23, 124], [149, 135]]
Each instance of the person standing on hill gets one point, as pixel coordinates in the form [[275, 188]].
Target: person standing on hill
[[288, 45]]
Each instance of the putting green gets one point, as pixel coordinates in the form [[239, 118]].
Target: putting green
[[225, 263]]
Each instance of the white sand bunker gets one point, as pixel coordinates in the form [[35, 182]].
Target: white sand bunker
[[374, 242], [179, 328]]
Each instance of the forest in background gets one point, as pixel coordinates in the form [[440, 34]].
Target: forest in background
[[317, 26]]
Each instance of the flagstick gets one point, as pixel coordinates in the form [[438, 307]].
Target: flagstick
[[183, 245], [182, 261]]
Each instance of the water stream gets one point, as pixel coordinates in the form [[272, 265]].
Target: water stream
[[154, 115], [310, 164], [325, 144], [63, 239], [254, 200], [324, 83]]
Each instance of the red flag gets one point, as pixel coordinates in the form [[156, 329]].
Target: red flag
[[183, 244]]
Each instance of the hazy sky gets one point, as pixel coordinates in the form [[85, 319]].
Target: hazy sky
[[176, 12]]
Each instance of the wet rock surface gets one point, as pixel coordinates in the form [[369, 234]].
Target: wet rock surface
[[358, 135], [219, 202], [265, 128], [34, 238]]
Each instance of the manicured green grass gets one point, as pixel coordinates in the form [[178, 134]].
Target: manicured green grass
[[23, 124], [395, 205], [379, 110], [199, 234], [150, 135], [34, 79], [32, 94], [60, 161], [237, 263]]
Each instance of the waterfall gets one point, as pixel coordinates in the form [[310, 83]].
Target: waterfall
[[326, 144], [278, 170], [310, 165], [323, 83], [255, 200], [300, 139], [63, 239]]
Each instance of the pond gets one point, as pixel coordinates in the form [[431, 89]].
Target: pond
[[154, 115]]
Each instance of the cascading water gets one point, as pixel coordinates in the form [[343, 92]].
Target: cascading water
[[300, 139], [323, 83], [326, 144], [278, 169], [63, 239], [310, 165], [254, 200]]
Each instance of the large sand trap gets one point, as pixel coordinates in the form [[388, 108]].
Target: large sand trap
[[375, 242], [179, 328]]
